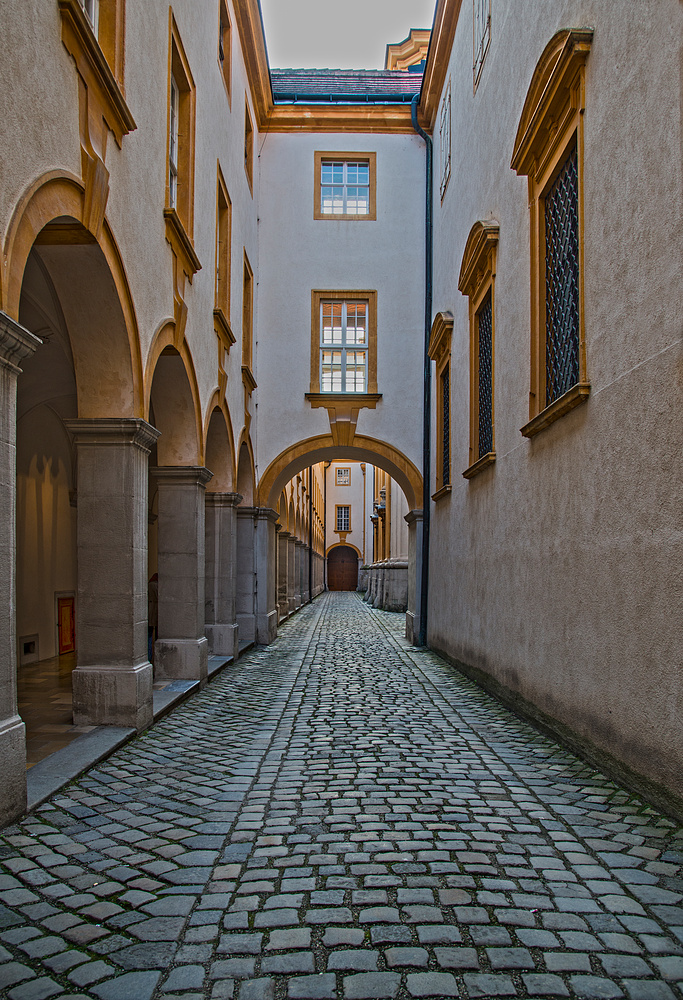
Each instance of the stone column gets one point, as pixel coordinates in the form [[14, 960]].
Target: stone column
[[16, 344], [299, 548], [245, 607], [266, 608], [291, 563], [181, 649], [112, 682], [414, 521], [220, 535], [282, 577]]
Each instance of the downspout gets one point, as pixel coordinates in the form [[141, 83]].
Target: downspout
[[427, 378], [326, 466], [310, 533]]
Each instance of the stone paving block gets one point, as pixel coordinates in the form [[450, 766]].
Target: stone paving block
[[510, 958], [444, 934], [14, 972], [257, 989], [322, 987], [457, 958], [558, 961], [371, 986], [353, 960], [544, 985], [595, 988], [639, 989], [390, 934], [232, 968], [240, 944], [296, 937], [486, 985], [619, 966], [36, 989], [140, 985], [189, 977]]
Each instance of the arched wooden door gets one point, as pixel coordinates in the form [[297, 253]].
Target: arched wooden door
[[342, 569]]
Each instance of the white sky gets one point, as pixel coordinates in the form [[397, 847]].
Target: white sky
[[339, 34]]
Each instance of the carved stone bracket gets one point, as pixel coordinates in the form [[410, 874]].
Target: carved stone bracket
[[343, 409]]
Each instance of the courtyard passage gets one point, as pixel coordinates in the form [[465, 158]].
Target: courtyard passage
[[341, 816]]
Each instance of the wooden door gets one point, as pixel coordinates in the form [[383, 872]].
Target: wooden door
[[342, 569], [66, 624]]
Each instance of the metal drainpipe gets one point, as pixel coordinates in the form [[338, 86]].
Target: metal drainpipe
[[427, 376], [326, 466], [310, 533]]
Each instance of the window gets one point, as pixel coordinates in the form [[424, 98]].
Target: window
[[481, 15], [440, 352], [345, 186], [179, 210], [343, 518], [92, 12], [223, 236], [248, 146], [549, 151], [225, 45], [343, 346], [343, 477], [173, 147], [445, 140], [344, 342], [247, 322], [477, 281]]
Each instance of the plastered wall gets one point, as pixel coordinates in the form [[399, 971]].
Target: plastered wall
[[556, 572]]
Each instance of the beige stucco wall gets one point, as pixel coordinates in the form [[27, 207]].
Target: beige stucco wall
[[299, 254], [557, 572]]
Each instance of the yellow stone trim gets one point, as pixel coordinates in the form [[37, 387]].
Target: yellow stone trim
[[179, 68], [439, 351], [411, 51], [223, 266], [482, 463], [337, 295], [165, 340], [578, 393], [181, 243], [438, 60]]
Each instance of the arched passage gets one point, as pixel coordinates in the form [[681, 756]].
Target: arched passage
[[342, 568], [82, 452], [322, 448]]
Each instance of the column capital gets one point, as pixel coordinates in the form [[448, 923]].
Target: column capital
[[267, 514], [181, 475], [413, 515], [246, 511], [16, 342], [283, 534], [223, 499], [99, 431]]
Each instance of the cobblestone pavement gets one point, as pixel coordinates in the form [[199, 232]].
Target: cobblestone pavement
[[341, 816]]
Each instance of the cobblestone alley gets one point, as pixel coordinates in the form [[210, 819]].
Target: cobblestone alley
[[341, 816]]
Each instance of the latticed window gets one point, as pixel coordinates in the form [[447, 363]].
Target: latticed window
[[343, 518], [485, 375], [345, 187], [562, 280], [343, 477], [343, 346], [173, 146], [446, 425]]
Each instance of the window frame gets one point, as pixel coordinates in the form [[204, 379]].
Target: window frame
[[477, 281], [445, 126], [439, 351], [481, 42], [225, 48], [347, 295], [339, 480], [337, 508], [551, 121], [179, 207], [248, 146], [323, 156], [247, 324]]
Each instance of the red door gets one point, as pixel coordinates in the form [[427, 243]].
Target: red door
[[66, 624], [342, 569]]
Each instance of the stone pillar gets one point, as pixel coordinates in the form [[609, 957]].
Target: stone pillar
[[221, 628], [291, 573], [299, 549], [112, 682], [282, 577], [266, 609], [245, 606], [16, 344], [181, 649], [414, 521]]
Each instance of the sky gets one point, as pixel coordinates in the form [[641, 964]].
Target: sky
[[338, 34]]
